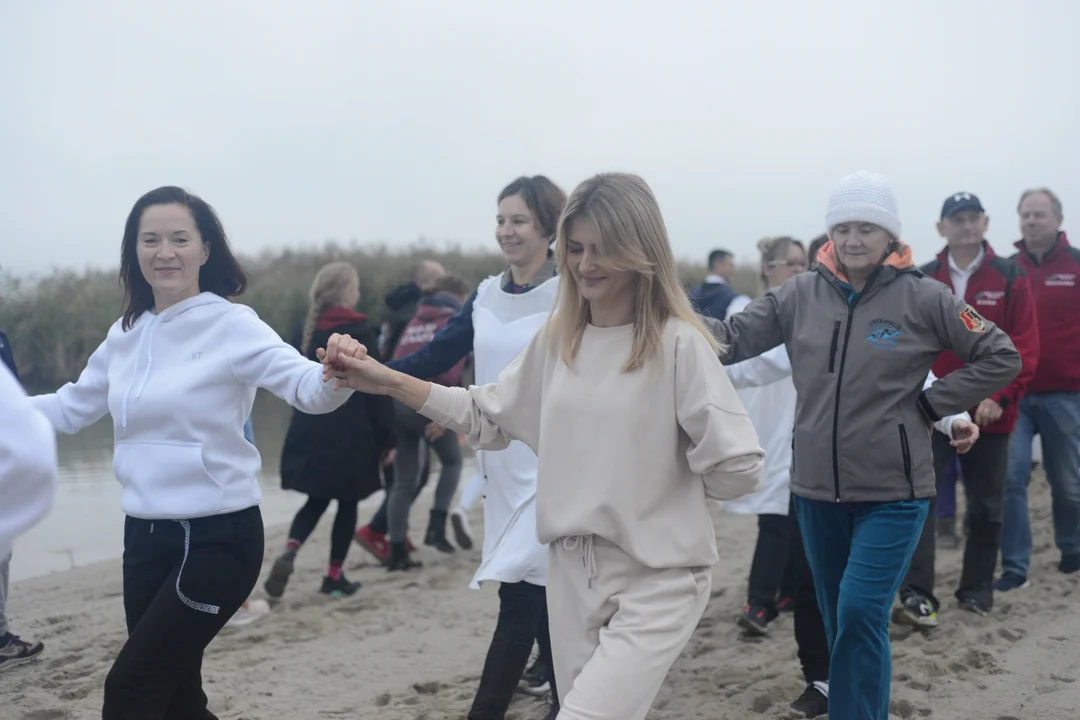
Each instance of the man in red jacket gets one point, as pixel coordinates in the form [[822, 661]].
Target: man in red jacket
[[1051, 408], [999, 291]]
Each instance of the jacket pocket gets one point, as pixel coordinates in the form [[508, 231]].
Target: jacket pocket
[[905, 450], [165, 480], [834, 346]]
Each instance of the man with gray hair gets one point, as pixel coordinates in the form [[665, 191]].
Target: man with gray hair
[[1051, 409]]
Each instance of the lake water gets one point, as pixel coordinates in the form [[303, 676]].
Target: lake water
[[86, 524]]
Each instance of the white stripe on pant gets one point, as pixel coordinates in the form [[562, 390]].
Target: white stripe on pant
[[616, 626]]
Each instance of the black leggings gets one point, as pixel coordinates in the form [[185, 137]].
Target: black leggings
[[809, 625], [341, 534], [183, 580], [770, 560], [522, 619]]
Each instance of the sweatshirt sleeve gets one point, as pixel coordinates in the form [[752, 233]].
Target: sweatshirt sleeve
[[81, 403], [493, 415], [724, 446], [1023, 330], [767, 368], [27, 462], [944, 425], [991, 359], [260, 358]]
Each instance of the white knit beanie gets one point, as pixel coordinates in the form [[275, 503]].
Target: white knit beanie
[[864, 197]]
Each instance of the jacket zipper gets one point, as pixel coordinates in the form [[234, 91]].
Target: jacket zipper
[[905, 448], [832, 349], [836, 406]]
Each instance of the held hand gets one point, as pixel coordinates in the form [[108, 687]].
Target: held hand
[[987, 413], [362, 373], [964, 435], [434, 431], [337, 348]]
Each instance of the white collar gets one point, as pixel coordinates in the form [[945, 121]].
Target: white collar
[[970, 268]]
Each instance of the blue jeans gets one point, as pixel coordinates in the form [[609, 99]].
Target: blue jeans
[[859, 554], [1055, 418]]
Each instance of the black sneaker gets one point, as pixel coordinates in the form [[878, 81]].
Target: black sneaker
[[341, 587], [974, 606], [279, 575], [812, 703], [1069, 563], [755, 619], [534, 681], [918, 611], [15, 651], [1011, 581]]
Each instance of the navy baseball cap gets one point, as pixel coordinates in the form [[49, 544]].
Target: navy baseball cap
[[960, 201]]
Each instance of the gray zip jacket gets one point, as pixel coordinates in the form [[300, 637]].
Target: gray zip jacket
[[862, 420]]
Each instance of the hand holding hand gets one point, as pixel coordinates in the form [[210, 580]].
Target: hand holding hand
[[348, 362], [988, 412], [964, 435]]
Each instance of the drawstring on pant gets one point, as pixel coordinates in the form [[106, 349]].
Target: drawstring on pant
[[588, 558]]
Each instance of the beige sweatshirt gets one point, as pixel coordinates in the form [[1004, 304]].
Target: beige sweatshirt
[[629, 457]]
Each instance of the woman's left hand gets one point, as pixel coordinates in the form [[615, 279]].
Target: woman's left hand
[[339, 347], [964, 435]]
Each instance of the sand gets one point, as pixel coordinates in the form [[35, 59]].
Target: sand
[[410, 646]]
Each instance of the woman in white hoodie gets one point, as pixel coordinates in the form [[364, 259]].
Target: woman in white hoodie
[[178, 373]]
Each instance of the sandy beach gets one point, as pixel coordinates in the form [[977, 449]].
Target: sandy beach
[[410, 646]]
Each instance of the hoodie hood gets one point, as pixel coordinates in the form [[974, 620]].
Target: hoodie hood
[[900, 258], [337, 316], [437, 305]]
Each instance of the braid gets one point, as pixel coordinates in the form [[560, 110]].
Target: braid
[[313, 313]]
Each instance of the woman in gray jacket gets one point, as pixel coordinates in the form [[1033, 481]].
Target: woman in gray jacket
[[862, 331]]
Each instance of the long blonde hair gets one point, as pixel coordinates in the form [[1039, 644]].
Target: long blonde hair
[[623, 211], [329, 289]]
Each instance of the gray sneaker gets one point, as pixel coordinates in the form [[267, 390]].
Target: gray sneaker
[[15, 651]]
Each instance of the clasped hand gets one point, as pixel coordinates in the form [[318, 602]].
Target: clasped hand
[[346, 361]]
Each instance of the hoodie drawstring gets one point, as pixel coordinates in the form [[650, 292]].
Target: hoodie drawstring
[[588, 557]]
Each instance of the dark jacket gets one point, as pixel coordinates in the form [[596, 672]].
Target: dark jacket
[[1000, 292], [859, 362], [401, 303], [432, 315], [7, 355], [1055, 284], [338, 455], [711, 299]]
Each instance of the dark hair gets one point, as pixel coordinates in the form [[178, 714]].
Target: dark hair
[[221, 274], [452, 284], [544, 199], [717, 255], [812, 251]]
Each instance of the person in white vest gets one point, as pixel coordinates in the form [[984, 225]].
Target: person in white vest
[[496, 323], [635, 423]]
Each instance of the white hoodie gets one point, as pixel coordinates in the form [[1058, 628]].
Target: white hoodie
[[179, 387], [27, 462]]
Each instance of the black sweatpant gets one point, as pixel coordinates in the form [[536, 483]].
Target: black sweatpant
[[770, 559], [523, 619], [813, 643], [183, 580], [985, 467], [341, 534]]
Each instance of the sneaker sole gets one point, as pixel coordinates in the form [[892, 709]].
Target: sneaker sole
[[1025, 586], [751, 627], [461, 533], [16, 662], [279, 578], [372, 551], [901, 617], [535, 691]]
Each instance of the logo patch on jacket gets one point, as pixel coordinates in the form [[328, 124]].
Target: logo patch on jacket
[[884, 334], [972, 320], [989, 297], [1061, 280]]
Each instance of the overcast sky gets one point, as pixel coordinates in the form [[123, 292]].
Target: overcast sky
[[387, 121]]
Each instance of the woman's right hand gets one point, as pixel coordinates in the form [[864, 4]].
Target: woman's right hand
[[351, 366]]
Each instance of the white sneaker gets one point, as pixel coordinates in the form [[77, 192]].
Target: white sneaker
[[459, 520], [248, 613]]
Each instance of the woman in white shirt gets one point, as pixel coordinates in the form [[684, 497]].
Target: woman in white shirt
[[178, 373], [635, 424]]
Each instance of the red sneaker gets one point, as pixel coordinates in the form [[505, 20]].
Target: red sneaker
[[375, 543], [409, 546]]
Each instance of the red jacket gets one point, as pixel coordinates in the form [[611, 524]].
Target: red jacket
[[1001, 293], [432, 315], [1055, 283]]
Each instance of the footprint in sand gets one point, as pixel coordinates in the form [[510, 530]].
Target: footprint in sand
[[46, 715]]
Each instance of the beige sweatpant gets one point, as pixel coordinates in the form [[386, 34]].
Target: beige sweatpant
[[616, 626]]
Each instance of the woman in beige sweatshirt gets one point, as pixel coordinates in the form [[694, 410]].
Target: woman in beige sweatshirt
[[635, 424]]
